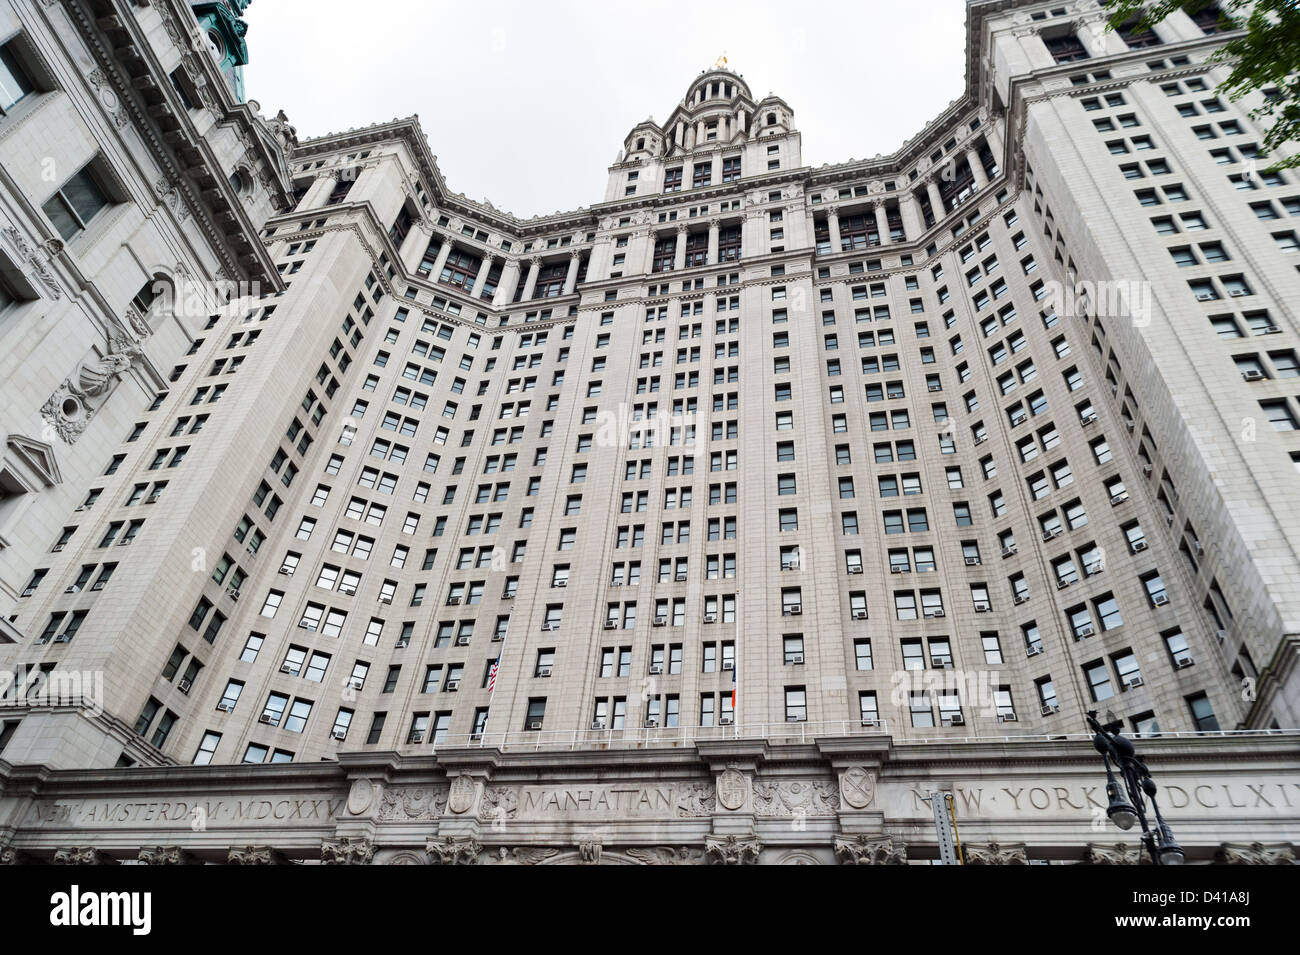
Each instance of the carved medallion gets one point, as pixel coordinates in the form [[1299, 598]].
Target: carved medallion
[[732, 789], [461, 796], [857, 787], [362, 797]]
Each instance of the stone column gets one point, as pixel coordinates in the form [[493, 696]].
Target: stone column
[[571, 279], [882, 222], [936, 200], [679, 256], [976, 168], [715, 227], [913, 224], [530, 284], [441, 261], [833, 225], [483, 270], [506, 287]]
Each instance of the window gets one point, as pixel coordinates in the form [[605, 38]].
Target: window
[[72, 207]]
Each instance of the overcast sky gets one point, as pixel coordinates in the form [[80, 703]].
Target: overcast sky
[[527, 103]]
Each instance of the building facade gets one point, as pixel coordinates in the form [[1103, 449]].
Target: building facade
[[726, 518]]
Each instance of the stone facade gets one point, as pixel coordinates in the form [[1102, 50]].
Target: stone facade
[[912, 455]]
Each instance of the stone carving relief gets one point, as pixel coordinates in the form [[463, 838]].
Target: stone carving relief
[[170, 196], [453, 851], [590, 852], [1256, 854], [165, 855], [522, 855], [461, 794], [994, 854], [253, 855], [666, 855], [795, 797], [1120, 853], [731, 850], [695, 799], [870, 850], [412, 803], [108, 97], [35, 258], [498, 802], [74, 403], [82, 856], [352, 851]]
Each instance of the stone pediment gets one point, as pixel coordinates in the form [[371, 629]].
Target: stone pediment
[[36, 458]]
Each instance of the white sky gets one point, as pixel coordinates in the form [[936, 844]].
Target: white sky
[[527, 103]]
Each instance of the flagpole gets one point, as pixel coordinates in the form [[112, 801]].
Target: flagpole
[[493, 691]]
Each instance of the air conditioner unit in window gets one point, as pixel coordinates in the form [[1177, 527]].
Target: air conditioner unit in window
[[651, 723], [184, 686], [1006, 717], [1094, 568], [1050, 708], [451, 601], [793, 610], [1088, 419], [871, 722], [941, 662], [1033, 649], [1129, 426], [286, 569], [972, 561], [1062, 584], [508, 595], [543, 671], [232, 593], [1182, 662], [79, 507], [981, 607], [660, 622], [288, 668], [725, 720], [534, 724], [934, 613], [710, 618], [681, 575], [1238, 292], [548, 627], [1272, 330], [1008, 550], [859, 615], [1159, 600], [307, 626], [656, 669], [955, 720], [728, 664], [402, 643], [796, 659], [936, 387], [1221, 634], [416, 738], [462, 640], [72, 589], [611, 625], [1146, 469], [355, 683], [1085, 631], [1135, 681], [56, 548], [1119, 498], [350, 591], [339, 735], [268, 718], [224, 707], [616, 583], [1254, 374], [897, 570], [1021, 598], [855, 569], [452, 686], [124, 542], [561, 583]]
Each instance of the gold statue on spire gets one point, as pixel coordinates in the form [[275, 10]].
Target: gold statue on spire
[[720, 62]]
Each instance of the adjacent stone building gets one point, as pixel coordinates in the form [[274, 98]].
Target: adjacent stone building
[[728, 519]]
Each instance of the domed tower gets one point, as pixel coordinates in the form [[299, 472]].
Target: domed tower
[[710, 137], [224, 28]]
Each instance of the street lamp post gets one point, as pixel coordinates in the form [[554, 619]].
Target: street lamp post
[[1127, 804]]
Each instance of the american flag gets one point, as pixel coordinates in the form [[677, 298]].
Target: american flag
[[492, 674], [733, 688]]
